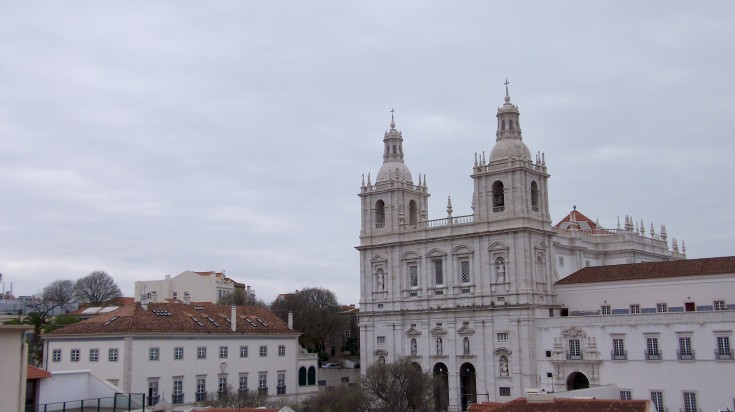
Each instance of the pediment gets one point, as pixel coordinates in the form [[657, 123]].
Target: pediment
[[503, 351], [462, 250], [438, 331], [378, 258], [540, 245], [498, 245], [413, 332], [381, 352], [411, 255], [436, 253], [465, 330]]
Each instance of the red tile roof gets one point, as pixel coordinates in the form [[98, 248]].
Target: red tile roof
[[233, 410], [36, 373], [652, 270], [564, 405], [576, 220], [197, 318]]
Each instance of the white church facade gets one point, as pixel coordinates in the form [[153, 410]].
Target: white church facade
[[466, 297]]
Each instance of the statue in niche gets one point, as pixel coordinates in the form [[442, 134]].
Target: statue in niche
[[381, 280], [439, 346], [414, 347], [466, 345], [504, 371], [500, 269]]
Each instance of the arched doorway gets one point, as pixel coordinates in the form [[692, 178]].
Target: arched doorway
[[416, 366], [441, 387], [577, 380], [467, 386]]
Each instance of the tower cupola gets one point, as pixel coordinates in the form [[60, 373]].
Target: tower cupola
[[509, 142], [393, 167]]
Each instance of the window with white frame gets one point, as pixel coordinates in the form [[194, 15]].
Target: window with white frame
[[657, 398], [56, 355], [75, 355], [438, 265], [618, 349], [381, 340], [179, 353], [177, 395], [626, 395], [504, 390], [94, 355], [152, 392], [502, 336], [690, 402], [685, 348], [575, 351], [202, 352], [413, 275], [243, 383], [720, 305], [464, 269], [723, 348], [635, 309], [281, 350], [263, 351], [112, 354], [606, 310], [263, 381], [652, 351], [223, 352], [243, 351], [153, 354], [222, 385], [281, 383], [661, 308], [201, 389]]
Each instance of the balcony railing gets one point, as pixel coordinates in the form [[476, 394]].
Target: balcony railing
[[498, 209], [200, 396], [281, 390], [652, 355], [617, 355], [177, 399], [122, 402], [723, 355], [574, 356], [685, 355], [263, 391], [152, 400]]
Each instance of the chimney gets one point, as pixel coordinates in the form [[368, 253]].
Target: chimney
[[187, 298], [233, 318], [290, 320]]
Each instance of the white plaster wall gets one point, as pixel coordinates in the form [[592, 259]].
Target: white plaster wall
[[73, 386], [13, 358]]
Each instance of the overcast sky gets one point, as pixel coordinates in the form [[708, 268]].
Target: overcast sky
[[147, 138]]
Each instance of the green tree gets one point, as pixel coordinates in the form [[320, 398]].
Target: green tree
[[96, 288]]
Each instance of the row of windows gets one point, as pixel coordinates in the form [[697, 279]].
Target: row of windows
[[200, 390], [652, 351], [154, 353], [657, 398], [635, 309]]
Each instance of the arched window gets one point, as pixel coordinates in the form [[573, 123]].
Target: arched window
[[439, 346], [502, 125], [312, 376], [394, 149], [379, 214], [498, 196], [534, 196], [302, 376], [510, 123], [413, 213], [414, 347]]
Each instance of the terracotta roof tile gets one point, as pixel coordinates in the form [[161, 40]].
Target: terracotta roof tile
[[36, 373], [197, 318], [652, 270], [566, 405], [576, 216]]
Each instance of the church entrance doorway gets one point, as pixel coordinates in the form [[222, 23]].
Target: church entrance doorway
[[441, 387], [467, 385], [577, 380]]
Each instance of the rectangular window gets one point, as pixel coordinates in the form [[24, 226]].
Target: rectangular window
[[606, 310], [504, 391], [243, 351], [661, 308], [153, 354], [464, 267], [201, 390], [281, 350], [179, 353], [112, 355], [438, 271], [574, 349], [56, 355], [626, 395], [75, 355], [223, 352], [347, 334], [263, 351], [222, 385], [503, 337], [152, 392], [690, 402], [657, 398], [618, 349], [94, 355], [243, 386], [263, 383], [177, 397], [723, 348], [635, 309], [202, 352], [720, 305], [685, 348], [413, 275], [281, 384], [381, 340], [652, 352]]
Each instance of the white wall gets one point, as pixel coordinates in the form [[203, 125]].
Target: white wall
[[13, 358]]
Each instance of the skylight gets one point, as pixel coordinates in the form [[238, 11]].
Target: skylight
[[197, 321], [112, 319]]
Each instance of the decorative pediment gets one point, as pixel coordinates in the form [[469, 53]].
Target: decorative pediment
[[410, 255], [498, 246], [462, 250], [503, 351], [438, 331], [378, 258], [381, 352], [573, 332], [436, 253], [541, 245], [466, 330], [413, 332]]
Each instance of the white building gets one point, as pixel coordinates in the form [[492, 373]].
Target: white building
[[462, 295], [14, 358], [196, 286], [183, 352]]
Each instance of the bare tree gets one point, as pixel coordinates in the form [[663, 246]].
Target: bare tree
[[58, 293], [339, 399], [240, 298], [96, 288], [398, 386]]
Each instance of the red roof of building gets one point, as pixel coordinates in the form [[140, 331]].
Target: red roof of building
[[36, 373], [563, 405], [233, 410], [196, 318], [652, 270], [576, 220]]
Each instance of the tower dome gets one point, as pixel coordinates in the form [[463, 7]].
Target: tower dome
[[509, 142], [393, 166]]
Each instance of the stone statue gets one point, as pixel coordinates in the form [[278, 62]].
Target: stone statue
[[501, 270], [504, 366], [466, 345], [381, 281]]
